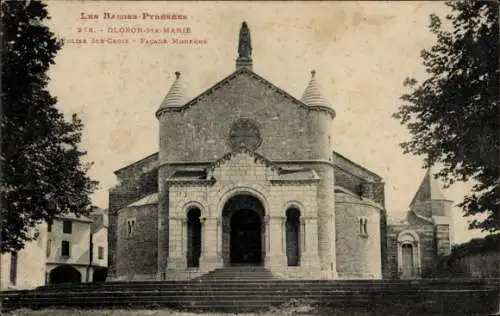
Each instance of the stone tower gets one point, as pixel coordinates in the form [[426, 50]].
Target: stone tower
[[322, 150]]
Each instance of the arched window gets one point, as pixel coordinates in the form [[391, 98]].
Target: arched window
[[293, 236], [193, 237]]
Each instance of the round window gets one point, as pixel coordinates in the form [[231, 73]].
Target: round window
[[245, 133]]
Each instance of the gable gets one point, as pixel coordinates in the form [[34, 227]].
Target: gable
[[200, 130], [244, 165], [258, 79]]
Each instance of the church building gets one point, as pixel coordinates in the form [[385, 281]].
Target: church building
[[246, 175]]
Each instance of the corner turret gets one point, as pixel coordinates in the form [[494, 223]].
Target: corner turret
[[312, 95], [175, 97]]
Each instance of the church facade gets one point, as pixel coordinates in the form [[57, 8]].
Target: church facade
[[246, 175]]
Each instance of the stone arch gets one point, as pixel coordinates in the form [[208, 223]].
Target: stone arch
[[192, 205], [232, 191], [64, 274], [408, 255], [242, 231], [295, 204]]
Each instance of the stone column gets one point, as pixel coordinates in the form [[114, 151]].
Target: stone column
[[309, 253], [283, 228], [177, 243], [210, 256], [275, 257]]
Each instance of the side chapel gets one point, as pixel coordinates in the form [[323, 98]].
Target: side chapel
[[246, 174]]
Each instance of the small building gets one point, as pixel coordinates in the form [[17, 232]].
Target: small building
[[69, 250], [416, 243]]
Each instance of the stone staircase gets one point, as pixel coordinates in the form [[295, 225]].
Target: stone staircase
[[237, 273], [250, 289]]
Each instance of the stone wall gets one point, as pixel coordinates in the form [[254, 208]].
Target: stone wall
[[136, 257], [201, 132], [477, 265], [427, 244], [135, 181], [443, 245], [358, 254], [243, 174]]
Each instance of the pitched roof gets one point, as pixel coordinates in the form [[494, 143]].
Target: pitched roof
[[428, 190], [303, 174], [189, 174], [149, 199]]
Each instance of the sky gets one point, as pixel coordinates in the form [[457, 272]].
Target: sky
[[362, 52]]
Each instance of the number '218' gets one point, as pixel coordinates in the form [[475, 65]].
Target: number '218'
[[85, 30]]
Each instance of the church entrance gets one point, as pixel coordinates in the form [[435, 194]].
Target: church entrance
[[243, 231], [246, 243], [407, 254]]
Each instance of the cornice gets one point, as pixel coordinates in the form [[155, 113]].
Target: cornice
[[184, 183]]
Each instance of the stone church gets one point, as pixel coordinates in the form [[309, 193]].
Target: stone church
[[246, 174]]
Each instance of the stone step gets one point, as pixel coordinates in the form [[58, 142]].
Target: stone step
[[237, 296], [241, 300], [263, 284], [239, 304], [257, 288], [336, 283]]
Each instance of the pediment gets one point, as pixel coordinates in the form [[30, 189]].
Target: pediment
[[245, 163], [243, 159]]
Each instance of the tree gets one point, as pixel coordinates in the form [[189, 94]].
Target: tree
[[42, 173], [452, 115]]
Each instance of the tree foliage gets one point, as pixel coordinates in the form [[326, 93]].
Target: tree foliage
[[42, 172], [452, 115]]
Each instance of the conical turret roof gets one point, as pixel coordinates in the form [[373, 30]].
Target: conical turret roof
[[312, 95], [176, 96]]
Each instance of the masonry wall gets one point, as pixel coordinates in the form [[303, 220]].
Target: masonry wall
[[136, 255], [428, 255], [208, 122], [443, 245], [477, 265], [135, 182], [358, 255]]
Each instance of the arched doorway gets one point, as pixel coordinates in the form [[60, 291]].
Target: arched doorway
[[243, 231], [100, 275], [193, 237], [407, 268], [408, 255], [64, 274], [293, 236]]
